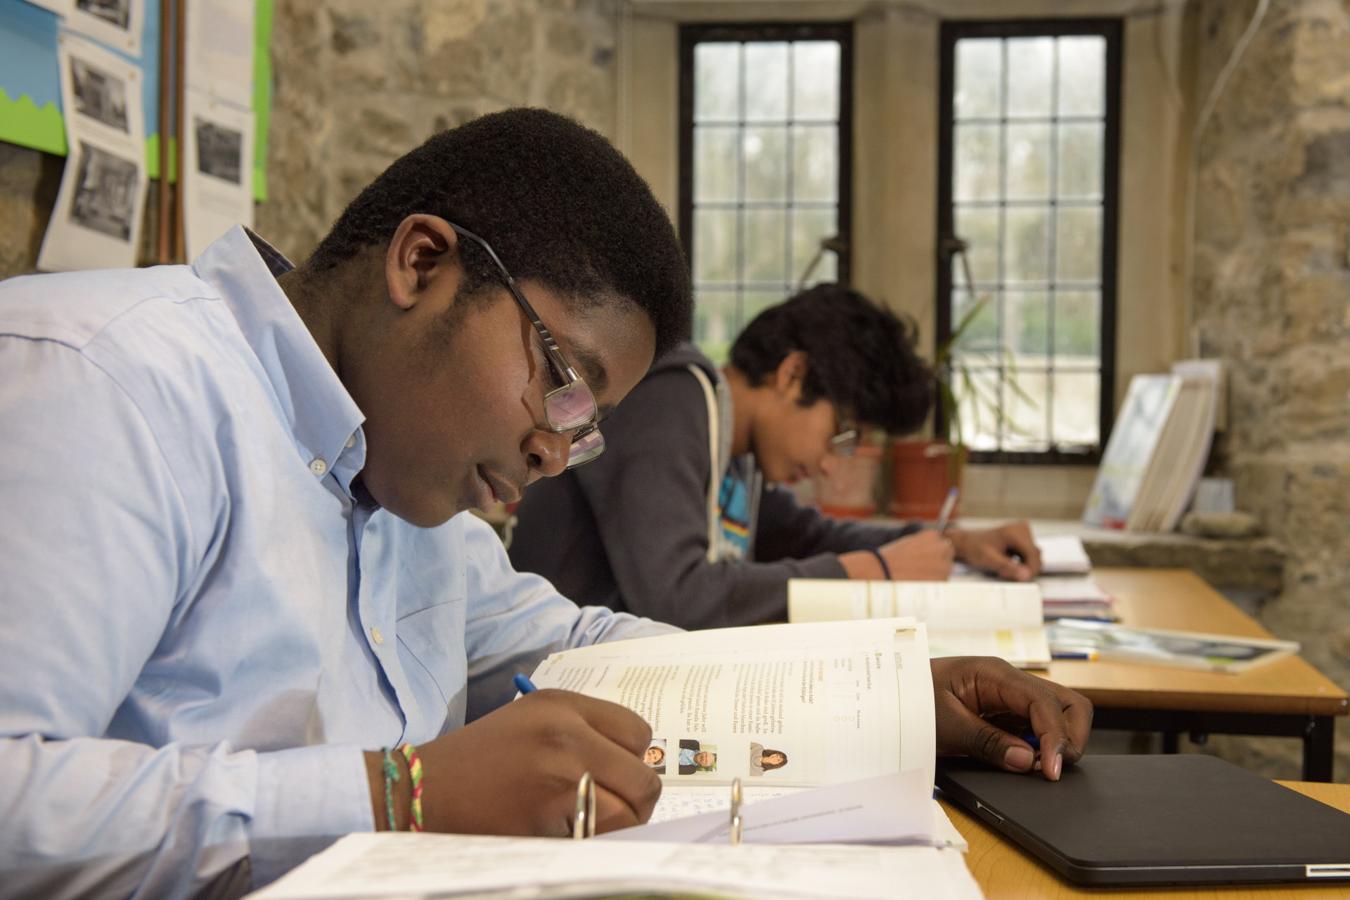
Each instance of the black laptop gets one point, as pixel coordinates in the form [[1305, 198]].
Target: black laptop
[[1154, 820]]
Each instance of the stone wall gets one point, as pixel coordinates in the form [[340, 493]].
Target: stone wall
[[1272, 298], [356, 84]]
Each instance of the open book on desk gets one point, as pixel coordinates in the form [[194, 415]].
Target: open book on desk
[[780, 707], [976, 618], [777, 706], [1187, 649]]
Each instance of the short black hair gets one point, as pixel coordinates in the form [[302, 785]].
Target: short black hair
[[860, 357], [556, 201]]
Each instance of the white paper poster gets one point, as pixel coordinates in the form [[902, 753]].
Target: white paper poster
[[219, 51], [218, 178], [96, 222], [116, 23]]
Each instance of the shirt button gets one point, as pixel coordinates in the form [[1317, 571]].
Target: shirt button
[[318, 467], [351, 442], [376, 636]]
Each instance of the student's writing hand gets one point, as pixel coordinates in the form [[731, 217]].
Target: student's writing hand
[[925, 556], [998, 550], [970, 691], [515, 770]]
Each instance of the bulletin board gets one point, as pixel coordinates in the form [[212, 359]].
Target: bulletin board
[[31, 112]]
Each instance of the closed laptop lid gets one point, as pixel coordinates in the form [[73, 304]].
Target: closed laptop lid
[[1164, 819]]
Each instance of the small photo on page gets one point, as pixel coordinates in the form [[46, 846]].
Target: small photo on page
[[116, 13], [99, 94], [655, 756], [697, 757], [220, 150], [106, 192], [765, 760]]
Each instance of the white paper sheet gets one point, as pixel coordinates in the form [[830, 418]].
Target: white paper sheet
[[889, 809], [219, 50], [1063, 554], [96, 222], [117, 23], [400, 864], [218, 176]]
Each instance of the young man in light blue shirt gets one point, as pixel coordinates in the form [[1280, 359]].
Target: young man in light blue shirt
[[232, 565]]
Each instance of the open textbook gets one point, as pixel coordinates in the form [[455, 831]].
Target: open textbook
[[976, 618], [785, 709], [774, 705]]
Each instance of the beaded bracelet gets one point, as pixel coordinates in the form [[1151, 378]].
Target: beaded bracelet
[[885, 569], [391, 776], [415, 774]]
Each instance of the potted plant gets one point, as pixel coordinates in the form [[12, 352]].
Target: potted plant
[[924, 470]]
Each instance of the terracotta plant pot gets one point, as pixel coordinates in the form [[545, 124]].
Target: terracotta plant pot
[[850, 490], [922, 473]]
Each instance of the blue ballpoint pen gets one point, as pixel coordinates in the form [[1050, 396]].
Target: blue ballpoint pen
[[524, 684], [949, 504]]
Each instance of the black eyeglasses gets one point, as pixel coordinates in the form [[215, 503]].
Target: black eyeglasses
[[571, 406]]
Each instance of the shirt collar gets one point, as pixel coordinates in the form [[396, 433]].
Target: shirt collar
[[322, 414]]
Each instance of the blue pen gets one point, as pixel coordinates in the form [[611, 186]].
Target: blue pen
[[524, 684], [949, 504], [1031, 739]]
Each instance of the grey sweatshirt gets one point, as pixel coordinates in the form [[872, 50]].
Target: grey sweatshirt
[[634, 531]]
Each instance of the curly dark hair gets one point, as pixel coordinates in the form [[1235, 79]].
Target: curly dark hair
[[860, 357], [556, 201]]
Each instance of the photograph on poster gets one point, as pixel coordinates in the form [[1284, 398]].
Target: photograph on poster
[[106, 189], [99, 94], [116, 23], [218, 176], [220, 150], [115, 12]]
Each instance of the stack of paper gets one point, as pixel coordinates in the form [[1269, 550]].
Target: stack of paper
[[1066, 584]]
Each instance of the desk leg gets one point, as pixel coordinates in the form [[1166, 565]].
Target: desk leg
[[1319, 748]]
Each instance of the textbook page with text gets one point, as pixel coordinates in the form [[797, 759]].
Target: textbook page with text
[[774, 705]]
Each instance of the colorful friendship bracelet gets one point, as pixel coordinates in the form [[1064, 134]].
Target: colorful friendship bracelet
[[415, 774], [885, 569], [391, 776]]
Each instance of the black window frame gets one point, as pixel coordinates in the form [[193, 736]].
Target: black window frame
[[696, 33], [1111, 29]]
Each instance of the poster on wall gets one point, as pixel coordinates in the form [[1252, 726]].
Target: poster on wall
[[218, 176], [116, 23], [219, 50], [96, 222]]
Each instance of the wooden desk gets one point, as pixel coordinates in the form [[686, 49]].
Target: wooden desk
[[1287, 697], [1003, 870]]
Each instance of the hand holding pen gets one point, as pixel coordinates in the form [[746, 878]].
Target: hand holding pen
[[515, 770]]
